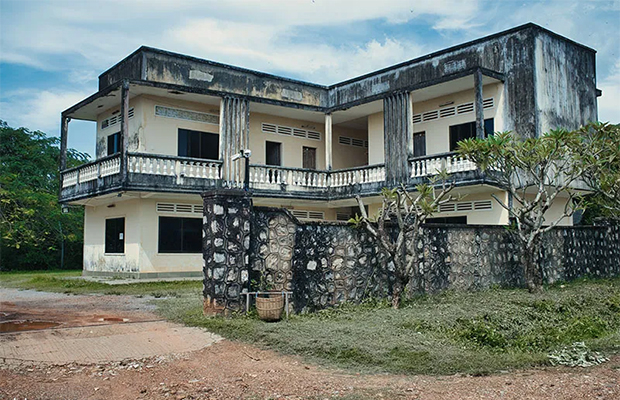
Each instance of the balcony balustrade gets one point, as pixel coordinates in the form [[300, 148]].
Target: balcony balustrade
[[431, 165], [168, 173]]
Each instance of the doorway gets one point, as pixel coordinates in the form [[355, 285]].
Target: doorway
[[309, 157]]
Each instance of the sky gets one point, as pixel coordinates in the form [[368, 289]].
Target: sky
[[51, 52]]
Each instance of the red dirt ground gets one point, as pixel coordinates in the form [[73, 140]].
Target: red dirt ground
[[230, 370]]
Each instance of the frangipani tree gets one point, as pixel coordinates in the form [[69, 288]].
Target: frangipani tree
[[598, 154], [399, 240], [536, 173]]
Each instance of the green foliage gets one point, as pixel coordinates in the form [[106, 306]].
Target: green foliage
[[70, 282], [601, 163], [452, 332], [32, 226]]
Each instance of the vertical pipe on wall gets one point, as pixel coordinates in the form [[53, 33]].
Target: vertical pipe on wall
[[328, 142], [478, 104], [124, 129], [409, 126]]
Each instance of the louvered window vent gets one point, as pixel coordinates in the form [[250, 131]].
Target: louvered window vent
[[115, 119], [304, 214], [179, 208], [447, 112], [290, 131]]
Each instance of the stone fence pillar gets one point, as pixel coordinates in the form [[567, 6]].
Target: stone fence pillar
[[225, 249]]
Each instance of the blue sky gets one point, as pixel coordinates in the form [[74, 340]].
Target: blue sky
[[51, 52]]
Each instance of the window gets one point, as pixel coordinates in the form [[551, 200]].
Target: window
[[180, 235], [309, 157], [272, 153], [419, 144], [447, 220], [468, 130], [115, 235], [114, 143], [198, 144]]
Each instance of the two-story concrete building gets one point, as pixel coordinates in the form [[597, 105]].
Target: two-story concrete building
[[169, 127]]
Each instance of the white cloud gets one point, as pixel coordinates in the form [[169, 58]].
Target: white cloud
[[609, 102], [38, 110], [266, 48]]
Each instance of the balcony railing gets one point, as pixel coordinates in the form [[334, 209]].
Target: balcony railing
[[432, 165], [189, 175], [272, 177], [101, 168], [179, 167]]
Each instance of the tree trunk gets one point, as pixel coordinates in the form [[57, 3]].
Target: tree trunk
[[532, 270], [397, 292]]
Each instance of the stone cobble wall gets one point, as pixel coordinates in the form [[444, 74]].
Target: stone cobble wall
[[328, 263], [226, 243]]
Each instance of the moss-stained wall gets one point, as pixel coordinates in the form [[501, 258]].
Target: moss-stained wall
[[325, 264]]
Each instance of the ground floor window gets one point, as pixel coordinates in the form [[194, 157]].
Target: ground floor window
[[447, 220], [180, 235], [115, 235]]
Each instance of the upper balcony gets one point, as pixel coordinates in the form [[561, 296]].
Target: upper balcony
[[175, 142], [162, 173]]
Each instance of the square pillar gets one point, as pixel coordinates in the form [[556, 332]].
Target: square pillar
[[328, 142], [398, 137], [478, 104], [124, 130], [234, 137], [64, 131], [225, 249]]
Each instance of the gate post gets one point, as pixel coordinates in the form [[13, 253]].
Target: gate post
[[225, 249]]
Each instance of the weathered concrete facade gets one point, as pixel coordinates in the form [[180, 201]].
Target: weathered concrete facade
[[325, 264], [314, 147]]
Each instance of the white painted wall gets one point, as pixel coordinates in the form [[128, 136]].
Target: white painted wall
[[141, 239], [345, 156], [292, 147], [438, 131], [375, 139]]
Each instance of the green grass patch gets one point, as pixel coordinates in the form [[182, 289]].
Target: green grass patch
[[476, 333], [66, 282]]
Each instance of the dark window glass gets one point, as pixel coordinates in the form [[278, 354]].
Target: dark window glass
[[180, 235], [272, 156], [489, 127], [115, 235], [114, 143], [419, 144], [468, 130], [447, 220], [198, 144]]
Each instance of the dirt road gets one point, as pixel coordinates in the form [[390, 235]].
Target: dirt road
[[227, 370]]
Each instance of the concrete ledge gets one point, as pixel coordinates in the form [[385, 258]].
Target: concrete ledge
[[143, 275]]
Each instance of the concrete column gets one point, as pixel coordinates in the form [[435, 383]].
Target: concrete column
[[397, 134], [328, 142], [234, 136], [124, 130], [478, 106], [225, 249], [64, 131]]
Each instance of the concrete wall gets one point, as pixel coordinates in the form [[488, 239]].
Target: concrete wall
[[345, 156], [438, 131], [141, 239], [376, 152], [565, 84]]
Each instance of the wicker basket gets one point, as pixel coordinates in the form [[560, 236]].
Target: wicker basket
[[270, 308]]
